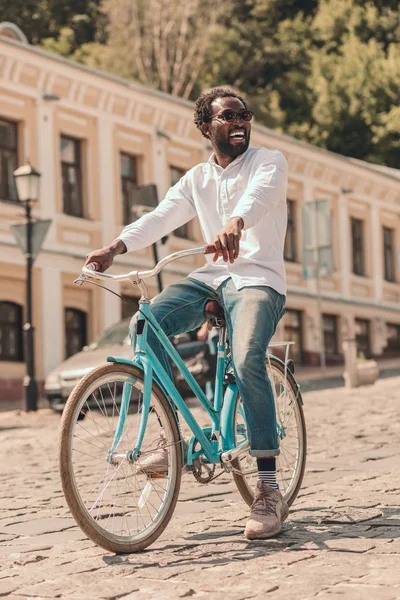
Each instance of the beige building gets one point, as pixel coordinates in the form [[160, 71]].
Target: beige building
[[95, 137]]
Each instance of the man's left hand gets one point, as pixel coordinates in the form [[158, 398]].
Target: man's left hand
[[227, 240]]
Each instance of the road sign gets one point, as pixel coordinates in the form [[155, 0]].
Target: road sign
[[317, 226], [317, 253], [325, 261], [39, 232], [317, 239]]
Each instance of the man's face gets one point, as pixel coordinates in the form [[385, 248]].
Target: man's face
[[229, 139]]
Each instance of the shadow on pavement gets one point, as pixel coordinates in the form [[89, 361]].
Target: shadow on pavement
[[213, 547]]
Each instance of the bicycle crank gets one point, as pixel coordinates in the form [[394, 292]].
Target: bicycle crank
[[203, 471]]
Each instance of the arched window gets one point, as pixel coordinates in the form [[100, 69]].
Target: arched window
[[75, 331], [11, 344]]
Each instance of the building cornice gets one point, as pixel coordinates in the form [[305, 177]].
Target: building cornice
[[131, 85], [328, 168], [349, 301]]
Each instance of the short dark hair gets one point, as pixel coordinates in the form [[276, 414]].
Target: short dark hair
[[202, 107]]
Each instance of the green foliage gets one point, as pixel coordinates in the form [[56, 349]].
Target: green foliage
[[325, 71], [355, 80], [156, 42], [41, 19]]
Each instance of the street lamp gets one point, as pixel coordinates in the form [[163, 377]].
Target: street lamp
[[27, 180]]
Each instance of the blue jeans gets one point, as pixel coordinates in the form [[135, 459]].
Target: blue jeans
[[252, 315]]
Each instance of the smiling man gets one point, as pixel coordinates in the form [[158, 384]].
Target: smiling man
[[239, 195]]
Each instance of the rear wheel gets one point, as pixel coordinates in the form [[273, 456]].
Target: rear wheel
[[118, 506], [290, 463]]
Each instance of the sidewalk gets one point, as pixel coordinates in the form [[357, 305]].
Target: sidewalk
[[313, 378], [342, 537]]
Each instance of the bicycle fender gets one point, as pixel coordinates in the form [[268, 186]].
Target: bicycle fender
[[124, 361], [289, 375]]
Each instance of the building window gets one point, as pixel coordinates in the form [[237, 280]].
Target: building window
[[388, 254], [11, 345], [175, 174], [71, 173], [8, 160], [289, 251], [357, 246], [393, 339], [128, 309], [363, 340], [330, 334], [292, 322], [75, 331], [128, 165]]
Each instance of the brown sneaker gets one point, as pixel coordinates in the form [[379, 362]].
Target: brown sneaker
[[268, 512], [156, 463]]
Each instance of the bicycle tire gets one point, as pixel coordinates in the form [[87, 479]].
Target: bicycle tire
[[86, 521], [246, 490]]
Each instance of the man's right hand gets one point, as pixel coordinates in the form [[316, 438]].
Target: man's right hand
[[104, 257]]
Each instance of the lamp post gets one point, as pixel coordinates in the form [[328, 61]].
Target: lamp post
[[144, 199], [27, 182]]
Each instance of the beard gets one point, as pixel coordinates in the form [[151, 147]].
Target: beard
[[226, 148]]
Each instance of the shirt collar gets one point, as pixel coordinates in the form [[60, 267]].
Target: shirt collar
[[237, 160]]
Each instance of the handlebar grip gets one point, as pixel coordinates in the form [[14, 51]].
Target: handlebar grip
[[209, 249], [93, 266]]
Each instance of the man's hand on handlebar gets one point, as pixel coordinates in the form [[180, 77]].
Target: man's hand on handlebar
[[227, 240], [104, 258]]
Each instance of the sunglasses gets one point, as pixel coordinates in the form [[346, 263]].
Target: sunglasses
[[230, 116]]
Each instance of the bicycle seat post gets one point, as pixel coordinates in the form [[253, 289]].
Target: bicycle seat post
[[222, 336]]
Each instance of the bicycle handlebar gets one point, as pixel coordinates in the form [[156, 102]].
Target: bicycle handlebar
[[135, 276]]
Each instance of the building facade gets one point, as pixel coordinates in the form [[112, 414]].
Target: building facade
[[95, 138]]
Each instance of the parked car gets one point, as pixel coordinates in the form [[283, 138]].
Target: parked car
[[114, 341]]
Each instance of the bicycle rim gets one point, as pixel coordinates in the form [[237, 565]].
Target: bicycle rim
[[290, 463], [117, 505]]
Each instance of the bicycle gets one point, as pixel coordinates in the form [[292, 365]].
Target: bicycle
[[125, 509]]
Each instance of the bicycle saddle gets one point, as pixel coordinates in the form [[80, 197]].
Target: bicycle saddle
[[214, 314]]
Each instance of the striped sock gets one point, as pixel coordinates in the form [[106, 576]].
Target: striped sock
[[267, 471]]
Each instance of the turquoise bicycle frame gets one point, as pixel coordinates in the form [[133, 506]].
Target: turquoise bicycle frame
[[213, 441]]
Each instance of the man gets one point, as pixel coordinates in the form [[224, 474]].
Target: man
[[239, 196]]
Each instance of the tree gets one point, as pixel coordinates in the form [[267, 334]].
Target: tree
[[41, 19], [160, 43], [356, 81], [326, 72]]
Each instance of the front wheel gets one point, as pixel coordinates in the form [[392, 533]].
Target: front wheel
[[118, 506], [290, 464]]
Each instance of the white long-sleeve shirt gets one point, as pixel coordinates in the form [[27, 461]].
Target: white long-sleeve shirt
[[253, 187]]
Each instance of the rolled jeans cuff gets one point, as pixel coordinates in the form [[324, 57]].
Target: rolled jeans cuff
[[264, 453]]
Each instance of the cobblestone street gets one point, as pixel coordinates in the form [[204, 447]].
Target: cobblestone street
[[341, 538]]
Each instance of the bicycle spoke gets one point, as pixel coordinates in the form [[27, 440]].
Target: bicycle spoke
[[118, 498], [290, 433]]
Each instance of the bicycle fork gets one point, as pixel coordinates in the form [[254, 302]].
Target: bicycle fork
[[113, 456]]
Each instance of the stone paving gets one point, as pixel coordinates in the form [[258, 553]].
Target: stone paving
[[341, 538]]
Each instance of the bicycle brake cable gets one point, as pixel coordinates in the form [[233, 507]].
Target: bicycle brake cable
[[103, 287]]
